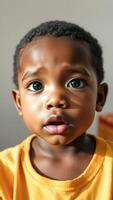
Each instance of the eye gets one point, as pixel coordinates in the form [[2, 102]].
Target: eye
[[35, 86], [76, 83]]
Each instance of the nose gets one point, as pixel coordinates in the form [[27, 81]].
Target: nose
[[57, 100]]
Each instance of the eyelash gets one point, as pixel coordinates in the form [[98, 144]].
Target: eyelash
[[79, 84], [36, 89]]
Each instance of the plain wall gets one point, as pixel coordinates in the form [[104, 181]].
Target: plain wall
[[17, 17]]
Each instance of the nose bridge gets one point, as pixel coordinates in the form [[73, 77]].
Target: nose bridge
[[57, 91], [56, 97]]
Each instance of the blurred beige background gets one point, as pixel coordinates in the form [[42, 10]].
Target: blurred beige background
[[17, 17]]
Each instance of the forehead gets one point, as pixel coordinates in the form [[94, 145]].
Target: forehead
[[54, 54], [49, 50]]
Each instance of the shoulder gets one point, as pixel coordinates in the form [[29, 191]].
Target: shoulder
[[10, 156], [109, 147], [105, 145]]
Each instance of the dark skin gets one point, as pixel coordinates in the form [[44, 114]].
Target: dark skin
[[69, 162], [56, 78]]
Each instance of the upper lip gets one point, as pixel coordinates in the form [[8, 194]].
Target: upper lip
[[55, 120]]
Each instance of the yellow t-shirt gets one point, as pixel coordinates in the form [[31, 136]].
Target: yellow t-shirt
[[20, 181]]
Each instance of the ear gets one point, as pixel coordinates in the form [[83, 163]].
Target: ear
[[101, 96], [17, 100]]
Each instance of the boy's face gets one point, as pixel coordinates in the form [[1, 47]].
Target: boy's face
[[57, 89]]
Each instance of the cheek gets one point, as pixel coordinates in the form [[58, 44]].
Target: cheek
[[31, 106], [89, 106], [85, 99], [31, 113], [86, 111], [85, 104]]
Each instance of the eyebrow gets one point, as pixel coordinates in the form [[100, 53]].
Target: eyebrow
[[29, 73], [69, 70], [78, 69]]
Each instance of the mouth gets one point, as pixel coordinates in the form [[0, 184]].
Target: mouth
[[56, 125]]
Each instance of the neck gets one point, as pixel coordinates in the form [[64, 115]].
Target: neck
[[83, 144]]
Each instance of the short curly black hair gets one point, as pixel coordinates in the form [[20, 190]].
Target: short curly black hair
[[61, 28]]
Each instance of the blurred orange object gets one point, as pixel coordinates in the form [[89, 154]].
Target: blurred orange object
[[105, 126]]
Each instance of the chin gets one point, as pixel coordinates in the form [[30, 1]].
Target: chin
[[59, 140]]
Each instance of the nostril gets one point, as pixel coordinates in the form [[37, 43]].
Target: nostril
[[56, 103], [61, 105], [49, 106]]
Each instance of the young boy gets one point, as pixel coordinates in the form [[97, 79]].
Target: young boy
[[58, 73]]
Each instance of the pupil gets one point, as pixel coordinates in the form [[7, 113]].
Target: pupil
[[75, 83], [36, 86]]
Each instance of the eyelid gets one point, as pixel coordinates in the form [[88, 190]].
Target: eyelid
[[76, 78], [28, 83], [31, 82]]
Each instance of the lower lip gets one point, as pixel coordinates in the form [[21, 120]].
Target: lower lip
[[57, 129]]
